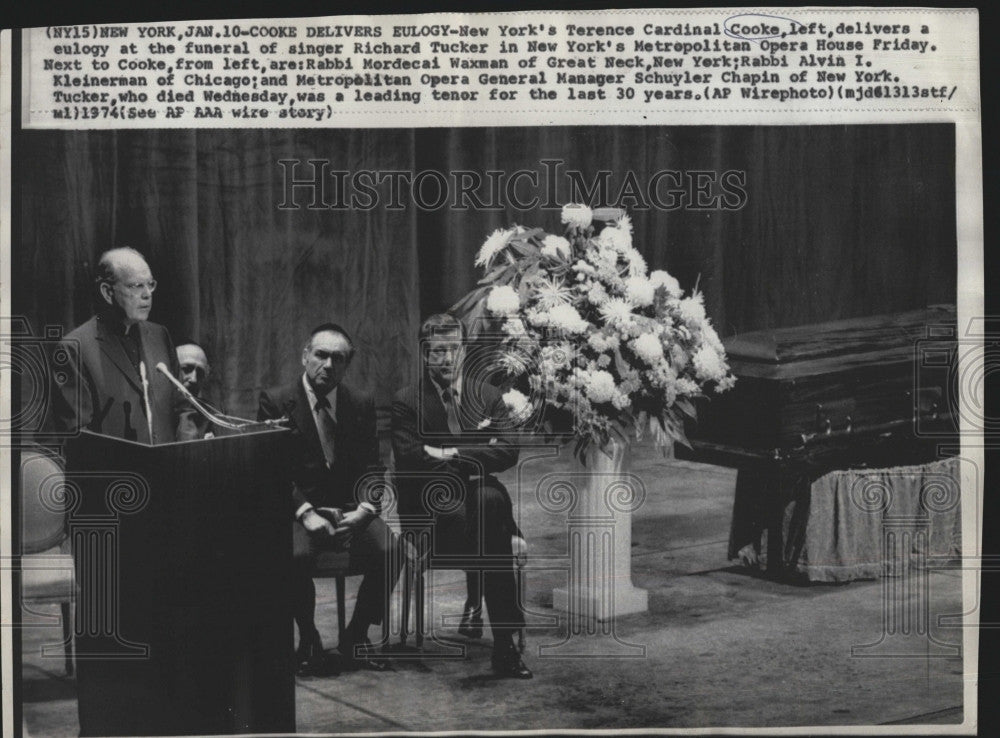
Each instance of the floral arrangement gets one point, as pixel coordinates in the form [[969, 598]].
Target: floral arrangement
[[612, 347]]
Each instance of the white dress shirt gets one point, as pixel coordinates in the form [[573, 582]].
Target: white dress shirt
[[331, 397]]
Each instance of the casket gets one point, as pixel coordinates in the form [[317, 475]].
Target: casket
[[811, 390], [871, 392]]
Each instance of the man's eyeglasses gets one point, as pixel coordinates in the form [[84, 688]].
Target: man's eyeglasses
[[136, 288]]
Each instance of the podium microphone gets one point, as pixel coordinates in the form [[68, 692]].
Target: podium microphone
[[145, 399], [224, 421]]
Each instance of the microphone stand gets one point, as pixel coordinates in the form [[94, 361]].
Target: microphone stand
[[145, 399], [224, 421]]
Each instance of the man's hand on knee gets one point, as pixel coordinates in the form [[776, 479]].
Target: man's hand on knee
[[317, 524], [356, 519]]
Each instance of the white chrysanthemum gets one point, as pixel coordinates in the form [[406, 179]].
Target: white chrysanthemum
[[666, 280], [559, 355], [726, 383], [567, 318], [648, 348], [605, 258], [603, 361], [493, 245], [597, 295], [503, 300], [621, 400], [660, 278], [615, 238], [600, 342], [692, 309], [517, 403], [599, 386], [538, 317], [583, 267], [709, 336], [708, 364], [636, 263], [687, 386], [617, 312], [577, 216], [639, 291], [513, 326], [664, 375], [551, 293], [556, 247], [625, 223]]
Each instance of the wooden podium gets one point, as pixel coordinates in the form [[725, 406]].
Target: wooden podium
[[183, 619]]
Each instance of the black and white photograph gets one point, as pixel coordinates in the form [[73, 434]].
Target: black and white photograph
[[456, 428]]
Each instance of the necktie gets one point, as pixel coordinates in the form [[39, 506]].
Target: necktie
[[327, 429], [454, 426]]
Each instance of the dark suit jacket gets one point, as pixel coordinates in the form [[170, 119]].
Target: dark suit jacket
[[105, 394], [419, 418], [355, 444]]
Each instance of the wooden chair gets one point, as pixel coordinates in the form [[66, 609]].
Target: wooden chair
[[47, 572], [336, 565], [413, 580]]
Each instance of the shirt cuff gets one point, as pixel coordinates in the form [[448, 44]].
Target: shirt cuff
[[369, 507], [303, 509]]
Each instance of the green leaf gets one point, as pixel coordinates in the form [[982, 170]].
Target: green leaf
[[620, 362], [495, 274], [525, 249], [687, 407], [607, 214]]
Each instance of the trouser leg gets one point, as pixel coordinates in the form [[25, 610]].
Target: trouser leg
[[377, 551], [303, 589], [499, 584]]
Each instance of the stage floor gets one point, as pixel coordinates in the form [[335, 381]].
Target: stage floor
[[720, 647]]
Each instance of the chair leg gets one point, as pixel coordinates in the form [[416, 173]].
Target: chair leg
[[520, 603], [420, 606], [404, 627], [67, 628], [341, 607]]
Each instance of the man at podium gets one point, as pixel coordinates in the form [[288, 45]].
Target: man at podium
[[113, 387], [335, 443]]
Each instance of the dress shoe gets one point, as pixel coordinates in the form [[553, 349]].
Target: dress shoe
[[310, 658], [507, 663], [361, 655], [471, 625]]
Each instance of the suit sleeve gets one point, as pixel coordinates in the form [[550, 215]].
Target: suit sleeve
[[373, 460], [495, 457], [267, 409], [407, 445]]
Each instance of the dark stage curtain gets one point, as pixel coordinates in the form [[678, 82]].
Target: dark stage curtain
[[838, 222]]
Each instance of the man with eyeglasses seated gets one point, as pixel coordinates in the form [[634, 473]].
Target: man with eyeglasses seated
[[113, 358]]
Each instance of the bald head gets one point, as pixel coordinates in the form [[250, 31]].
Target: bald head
[[194, 366], [125, 284]]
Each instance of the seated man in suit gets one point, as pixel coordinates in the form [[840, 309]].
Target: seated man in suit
[[429, 437], [113, 387], [335, 444]]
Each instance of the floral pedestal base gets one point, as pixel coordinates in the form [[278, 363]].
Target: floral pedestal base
[[600, 501]]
